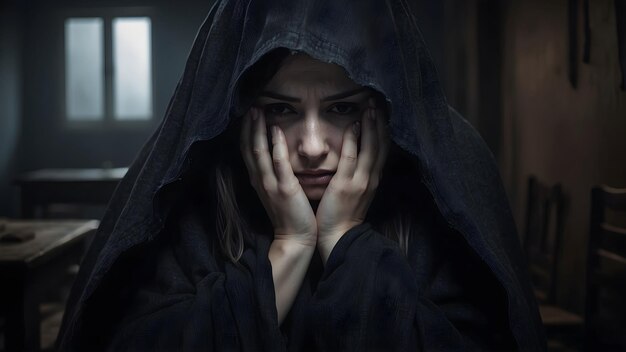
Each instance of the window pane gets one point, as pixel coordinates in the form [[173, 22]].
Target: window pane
[[84, 60], [132, 79]]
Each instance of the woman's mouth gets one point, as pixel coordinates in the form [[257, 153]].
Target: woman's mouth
[[315, 180]]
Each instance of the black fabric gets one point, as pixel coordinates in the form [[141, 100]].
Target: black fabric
[[154, 278]]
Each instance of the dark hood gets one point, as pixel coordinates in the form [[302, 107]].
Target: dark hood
[[380, 46]]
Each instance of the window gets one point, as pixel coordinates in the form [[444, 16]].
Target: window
[[108, 71], [84, 63]]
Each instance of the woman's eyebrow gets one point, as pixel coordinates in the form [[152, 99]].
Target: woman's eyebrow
[[337, 96], [274, 95], [345, 94]]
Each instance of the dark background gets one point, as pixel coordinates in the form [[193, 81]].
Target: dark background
[[503, 64]]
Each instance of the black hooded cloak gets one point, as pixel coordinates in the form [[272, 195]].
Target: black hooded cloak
[[153, 280]]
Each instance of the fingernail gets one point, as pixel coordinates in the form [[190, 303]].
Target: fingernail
[[255, 114], [356, 128], [372, 114], [274, 131]]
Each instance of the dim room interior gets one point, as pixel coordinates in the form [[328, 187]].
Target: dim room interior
[[84, 84]]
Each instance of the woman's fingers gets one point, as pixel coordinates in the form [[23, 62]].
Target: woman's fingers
[[280, 156], [265, 169], [369, 144], [286, 203], [374, 147], [349, 158], [260, 151]]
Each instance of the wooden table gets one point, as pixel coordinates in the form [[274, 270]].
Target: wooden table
[[31, 268], [41, 188]]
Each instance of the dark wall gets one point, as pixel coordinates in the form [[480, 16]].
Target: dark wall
[[35, 31], [10, 102], [506, 71], [574, 136]]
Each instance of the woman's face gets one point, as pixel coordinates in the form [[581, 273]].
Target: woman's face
[[313, 102]]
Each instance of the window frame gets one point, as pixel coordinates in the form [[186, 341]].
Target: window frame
[[108, 121]]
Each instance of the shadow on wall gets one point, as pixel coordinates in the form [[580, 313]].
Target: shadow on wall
[[10, 101]]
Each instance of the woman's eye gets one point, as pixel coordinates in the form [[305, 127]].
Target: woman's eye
[[344, 108], [278, 109]]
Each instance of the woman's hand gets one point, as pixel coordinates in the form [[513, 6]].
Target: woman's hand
[[295, 227], [275, 183], [351, 190]]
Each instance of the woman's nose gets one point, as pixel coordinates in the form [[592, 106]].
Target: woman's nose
[[312, 143]]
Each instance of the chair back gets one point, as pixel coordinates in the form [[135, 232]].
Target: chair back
[[543, 236], [605, 304]]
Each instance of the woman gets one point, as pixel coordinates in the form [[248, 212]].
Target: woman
[[308, 189]]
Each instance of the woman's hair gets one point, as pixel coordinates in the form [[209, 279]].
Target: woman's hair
[[392, 211], [229, 224]]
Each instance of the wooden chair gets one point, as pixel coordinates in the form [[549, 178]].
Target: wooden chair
[[605, 307], [542, 244]]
